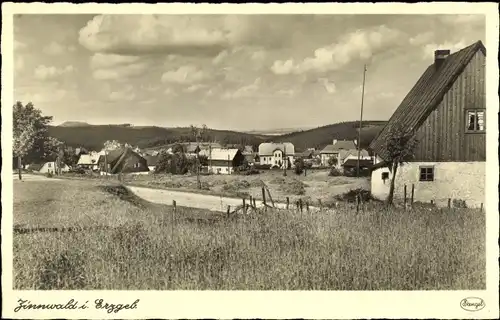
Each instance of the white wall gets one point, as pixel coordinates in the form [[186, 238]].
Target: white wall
[[455, 180], [221, 170], [51, 167]]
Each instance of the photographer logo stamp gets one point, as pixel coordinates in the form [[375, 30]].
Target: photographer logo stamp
[[472, 304]]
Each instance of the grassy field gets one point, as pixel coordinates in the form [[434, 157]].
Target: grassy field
[[131, 244], [315, 185]]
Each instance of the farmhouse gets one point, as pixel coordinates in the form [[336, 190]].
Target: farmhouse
[[123, 160], [333, 151], [48, 167], [446, 111], [223, 161], [89, 161], [277, 154], [152, 161], [350, 166]]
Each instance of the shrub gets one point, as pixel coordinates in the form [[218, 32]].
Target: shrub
[[334, 172], [350, 196], [49, 174], [262, 166], [459, 203], [299, 166], [294, 187]]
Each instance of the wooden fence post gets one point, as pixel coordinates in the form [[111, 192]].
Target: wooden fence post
[[449, 203], [287, 202], [172, 218], [251, 202], [300, 205], [228, 210], [357, 203], [254, 204], [307, 207], [412, 193], [320, 205], [432, 201], [244, 206], [405, 196], [481, 207], [263, 196]]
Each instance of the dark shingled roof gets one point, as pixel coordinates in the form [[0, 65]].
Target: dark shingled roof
[[426, 95], [354, 163], [151, 160], [339, 145]]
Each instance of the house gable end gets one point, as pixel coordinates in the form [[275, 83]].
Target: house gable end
[[426, 95]]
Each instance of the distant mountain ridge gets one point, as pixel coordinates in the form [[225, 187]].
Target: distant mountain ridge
[[74, 124], [81, 134]]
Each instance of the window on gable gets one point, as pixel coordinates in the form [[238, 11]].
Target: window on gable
[[426, 174], [475, 121], [385, 175]]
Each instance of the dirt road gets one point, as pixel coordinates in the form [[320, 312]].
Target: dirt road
[[185, 199], [34, 177], [193, 200]]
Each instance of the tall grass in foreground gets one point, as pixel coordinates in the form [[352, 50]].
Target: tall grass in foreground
[[373, 250]]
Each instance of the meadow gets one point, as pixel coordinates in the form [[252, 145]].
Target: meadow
[[125, 243], [313, 187]]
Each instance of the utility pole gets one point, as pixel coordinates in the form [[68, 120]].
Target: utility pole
[[197, 161], [210, 157], [106, 161], [285, 159], [361, 118]]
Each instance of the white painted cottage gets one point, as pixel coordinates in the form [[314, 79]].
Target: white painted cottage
[[446, 110]]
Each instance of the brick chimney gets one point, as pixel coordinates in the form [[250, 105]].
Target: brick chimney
[[334, 141], [440, 56]]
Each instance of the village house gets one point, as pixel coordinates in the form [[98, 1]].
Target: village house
[[350, 167], [277, 154], [89, 161], [123, 160], [223, 161], [338, 150], [446, 111], [152, 161], [48, 167], [251, 157]]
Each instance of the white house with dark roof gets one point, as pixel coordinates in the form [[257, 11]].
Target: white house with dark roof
[[277, 154], [445, 111], [222, 160], [338, 149]]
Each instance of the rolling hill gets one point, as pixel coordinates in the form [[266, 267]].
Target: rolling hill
[[320, 137], [94, 136]]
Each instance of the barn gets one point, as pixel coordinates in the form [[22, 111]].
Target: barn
[[446, 111]]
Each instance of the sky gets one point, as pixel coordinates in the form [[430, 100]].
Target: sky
[[242, 72]]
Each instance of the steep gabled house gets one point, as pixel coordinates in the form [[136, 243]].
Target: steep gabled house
[[152, 161], [333, 150], [223, 161], [277, 154], [123, 160], [446, 110]]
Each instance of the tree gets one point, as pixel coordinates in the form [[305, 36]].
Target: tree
[[29, 128], [69, 156], [400, 149], [112, 145], [299, 166], [333, 161], [177, 148], [54, 151]]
